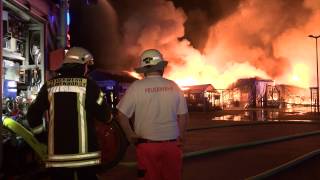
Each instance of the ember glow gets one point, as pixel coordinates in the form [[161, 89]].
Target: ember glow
[[134, 74], [300, 77]]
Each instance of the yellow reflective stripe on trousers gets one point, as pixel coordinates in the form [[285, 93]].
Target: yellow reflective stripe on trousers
[[82, 124], [71, 157], [74, 163], [51, 125]]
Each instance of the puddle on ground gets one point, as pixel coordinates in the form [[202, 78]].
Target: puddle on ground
[[265, 115]]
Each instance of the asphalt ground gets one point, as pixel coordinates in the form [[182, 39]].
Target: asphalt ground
[[249, 162], [236, 164]]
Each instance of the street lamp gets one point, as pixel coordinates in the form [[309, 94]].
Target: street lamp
[[316, 37]]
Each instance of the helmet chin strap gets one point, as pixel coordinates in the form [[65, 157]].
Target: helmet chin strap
[[86, 70]]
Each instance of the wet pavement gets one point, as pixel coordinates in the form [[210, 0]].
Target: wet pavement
[[235, 164], [249, 162]]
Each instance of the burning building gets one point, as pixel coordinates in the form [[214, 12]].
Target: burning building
[[205, 45], [257, 92], [201, 97], [251, 92], [292, 95]]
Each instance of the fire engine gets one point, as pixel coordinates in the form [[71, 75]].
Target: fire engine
[[34, 38]]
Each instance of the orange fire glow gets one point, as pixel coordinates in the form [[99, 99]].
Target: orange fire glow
[[230, 52], [258, 39], [134, 74], [300, 77]]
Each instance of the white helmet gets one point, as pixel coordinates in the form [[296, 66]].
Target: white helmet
[[78, 55], [151, 60]]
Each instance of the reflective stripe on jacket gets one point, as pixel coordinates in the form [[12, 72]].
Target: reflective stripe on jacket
[[73, 104]]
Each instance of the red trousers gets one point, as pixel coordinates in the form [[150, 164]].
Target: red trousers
[[159, 161]]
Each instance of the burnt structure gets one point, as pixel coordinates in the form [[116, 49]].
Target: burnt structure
[[202, 97], [251, 93], [292, 95], [263, 93]]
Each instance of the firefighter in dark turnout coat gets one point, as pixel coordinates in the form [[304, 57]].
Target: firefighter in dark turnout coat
[[73, 102]]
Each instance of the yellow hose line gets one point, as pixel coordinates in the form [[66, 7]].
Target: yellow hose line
[[235, 147], [19, 130]]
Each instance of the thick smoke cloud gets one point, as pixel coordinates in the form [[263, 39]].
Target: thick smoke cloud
[[248, 34], [152, 24], [116, 32], [203, 14], [209, 41]]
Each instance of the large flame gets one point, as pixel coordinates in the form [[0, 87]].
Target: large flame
[[248, 44], [257, 38], [134, 74]]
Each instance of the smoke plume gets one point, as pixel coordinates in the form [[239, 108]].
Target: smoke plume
[[215, 41]]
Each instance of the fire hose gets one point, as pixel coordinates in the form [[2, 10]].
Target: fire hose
[[222, 149], [111, 138], [285, 166], [248, 124], [250, 144], [39, 148]]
